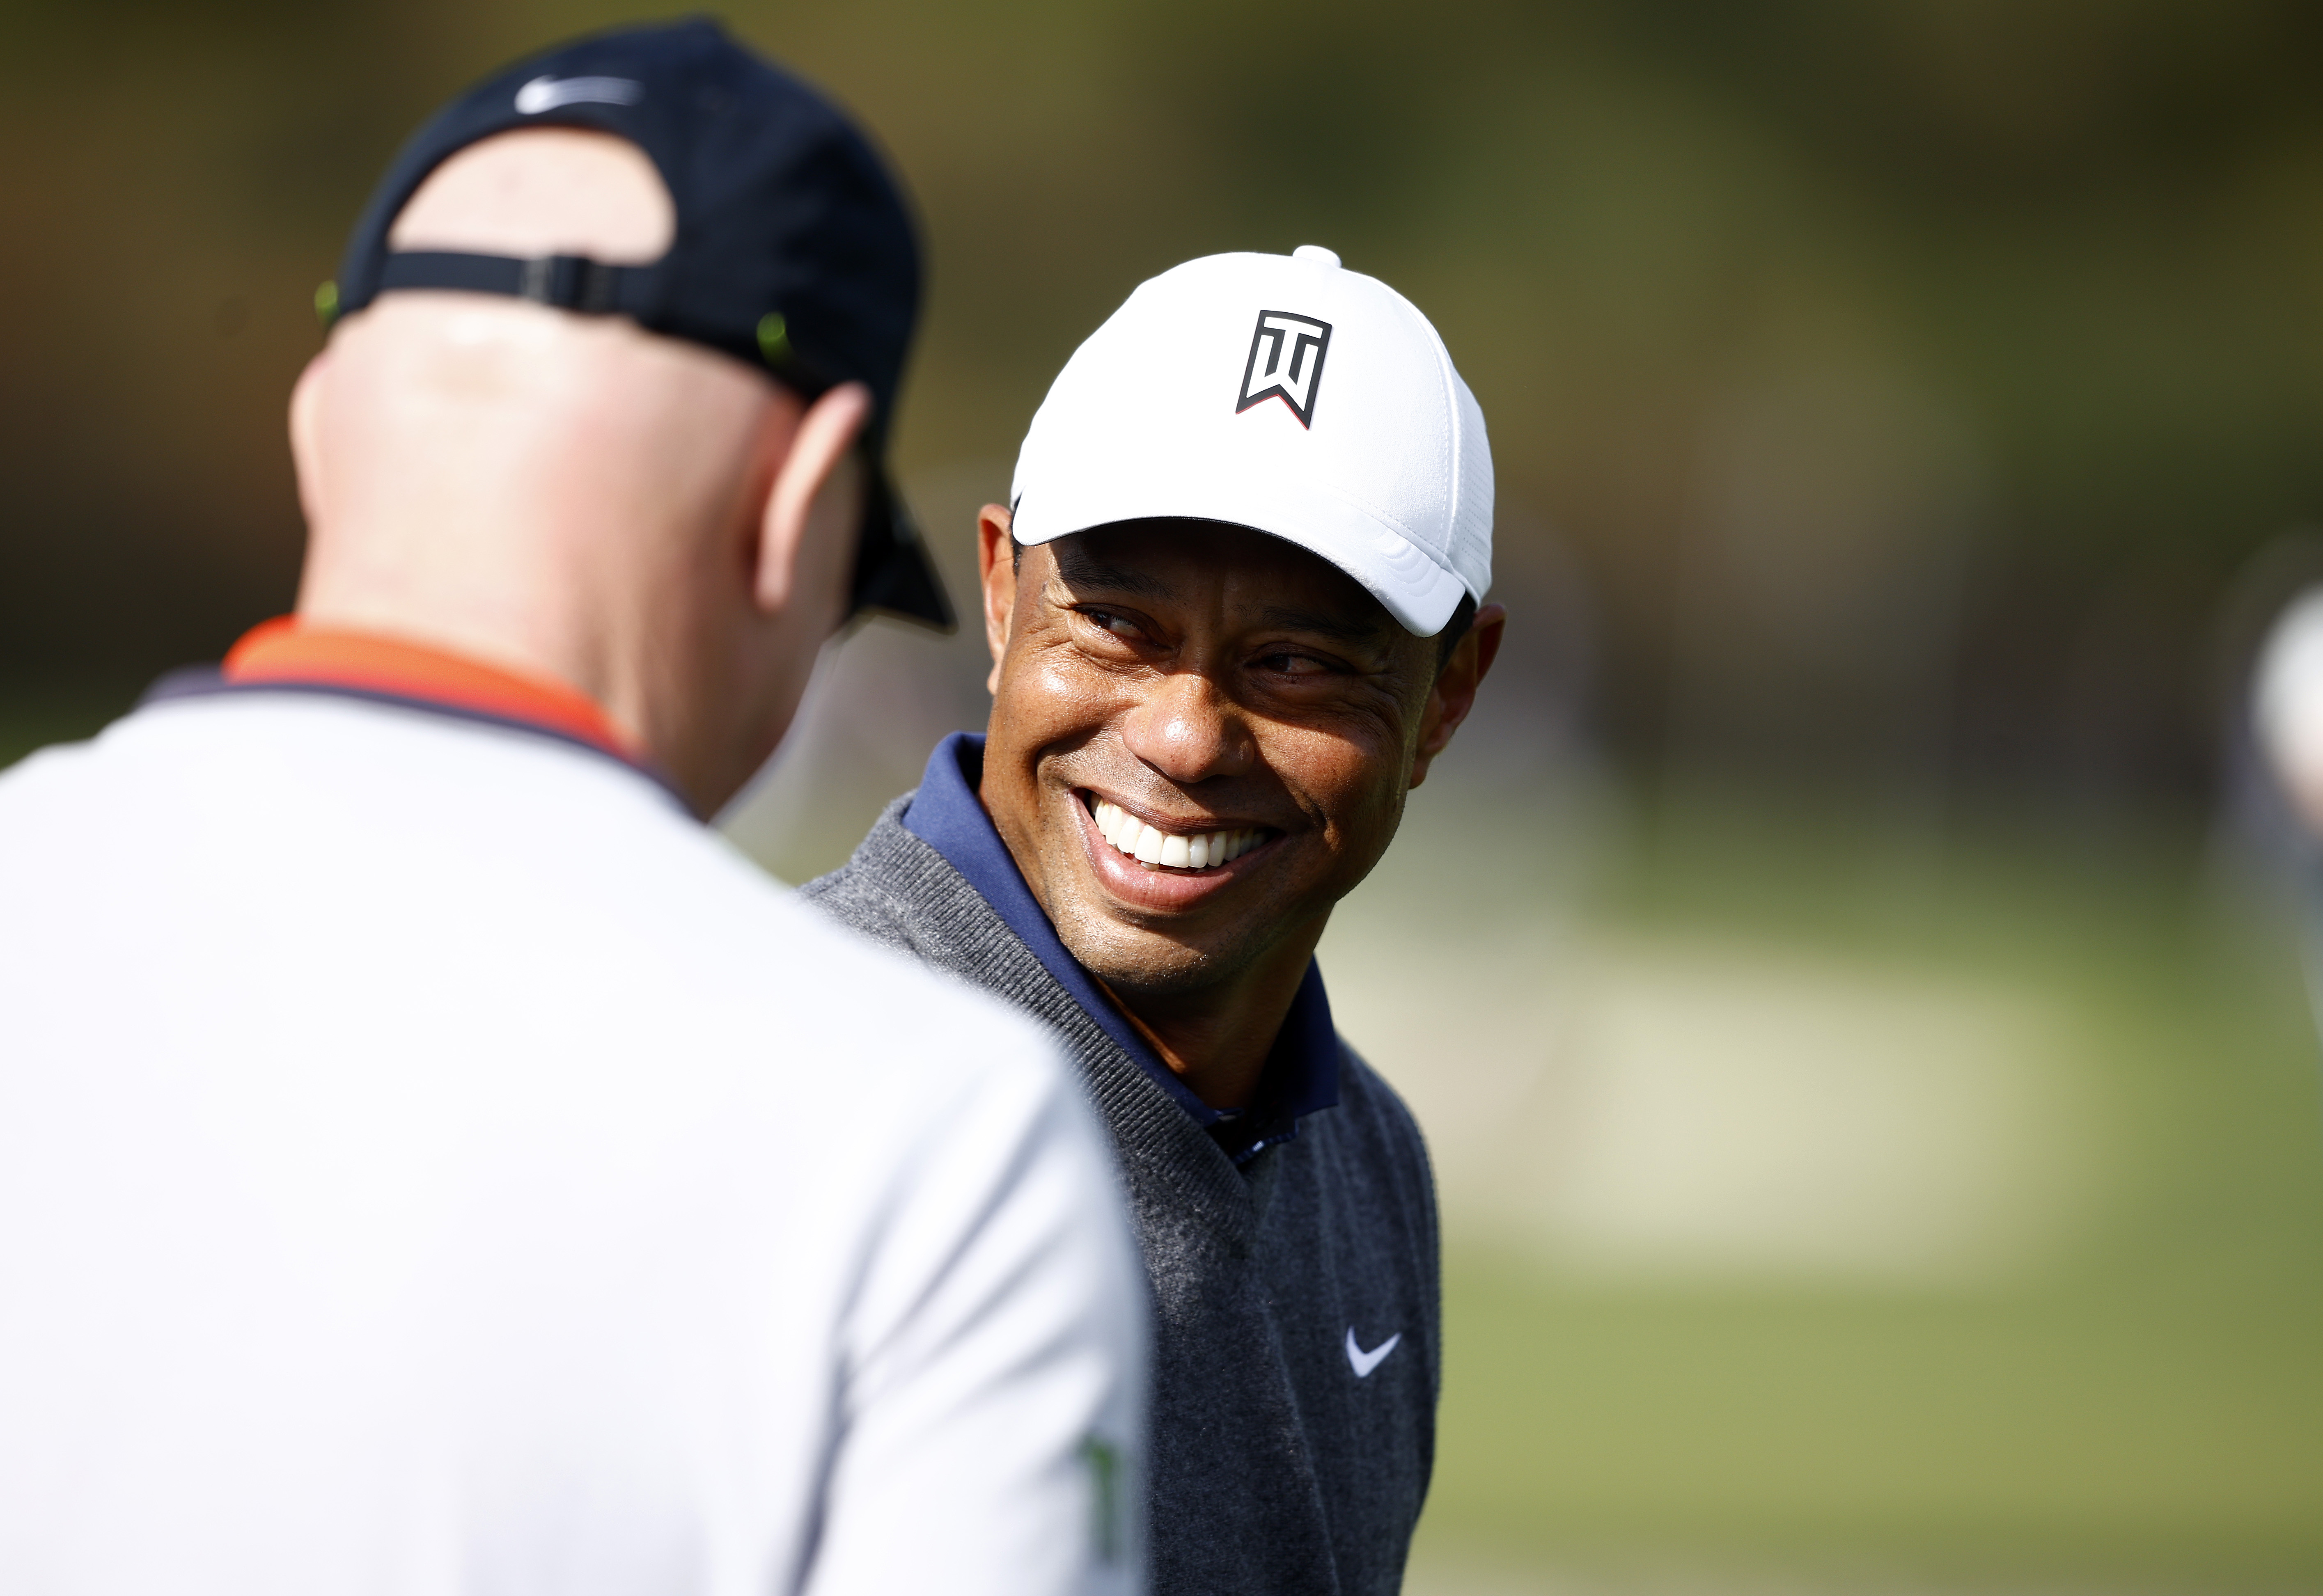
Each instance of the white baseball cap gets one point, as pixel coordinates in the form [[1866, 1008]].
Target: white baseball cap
[[1283, 393]]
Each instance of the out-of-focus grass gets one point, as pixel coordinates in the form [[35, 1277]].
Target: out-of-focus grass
[[2105, 1437], [2139, 1407]]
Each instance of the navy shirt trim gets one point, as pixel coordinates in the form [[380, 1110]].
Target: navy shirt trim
[[1302, 1069]]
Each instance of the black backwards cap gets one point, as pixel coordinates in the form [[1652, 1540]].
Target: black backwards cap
[[792, 250]]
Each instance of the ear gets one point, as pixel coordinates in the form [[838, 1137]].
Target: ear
[[306, 437], [1454, 692], [996, 570], [806, 533]]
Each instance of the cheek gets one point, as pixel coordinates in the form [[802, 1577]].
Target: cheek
[[1051, 695], [1352, 775]]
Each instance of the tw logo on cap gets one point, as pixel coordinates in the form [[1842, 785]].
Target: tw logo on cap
[[1286, 363]]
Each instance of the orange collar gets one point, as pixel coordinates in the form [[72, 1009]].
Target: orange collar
[[285, 652]]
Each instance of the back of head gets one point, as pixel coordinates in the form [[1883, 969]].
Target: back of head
[[488, 459], [618, 341]]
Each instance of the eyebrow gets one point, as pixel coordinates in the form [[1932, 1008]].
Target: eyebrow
[[1321, 624], [1079, 569]]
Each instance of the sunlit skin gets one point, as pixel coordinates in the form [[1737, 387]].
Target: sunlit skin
[[1204, 677]]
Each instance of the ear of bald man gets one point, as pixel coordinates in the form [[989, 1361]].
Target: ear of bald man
[[645, 521]]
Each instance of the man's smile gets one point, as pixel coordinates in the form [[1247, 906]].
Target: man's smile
[[1150, 843], [1158, 866]]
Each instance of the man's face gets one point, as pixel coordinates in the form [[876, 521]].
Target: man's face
[[1201, 679]]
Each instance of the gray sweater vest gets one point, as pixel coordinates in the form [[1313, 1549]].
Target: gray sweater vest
[[1282, 1458]]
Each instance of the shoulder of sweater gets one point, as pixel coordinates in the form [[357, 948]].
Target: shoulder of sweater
[[1365, 1095], [1379, 1116], [888, 885], [863, 890], [898, 889], [863, 864]]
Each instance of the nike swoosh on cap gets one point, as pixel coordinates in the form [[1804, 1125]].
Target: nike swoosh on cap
[[1363, 1362], [546, 94]]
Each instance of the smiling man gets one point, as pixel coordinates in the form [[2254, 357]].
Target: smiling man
[[1234, 616]]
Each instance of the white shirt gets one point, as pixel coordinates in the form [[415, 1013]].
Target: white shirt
[[430, 1162]]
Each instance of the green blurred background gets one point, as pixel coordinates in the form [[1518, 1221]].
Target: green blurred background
[[1867, 1061]]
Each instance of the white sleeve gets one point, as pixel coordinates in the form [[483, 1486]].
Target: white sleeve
[[991, 1436]]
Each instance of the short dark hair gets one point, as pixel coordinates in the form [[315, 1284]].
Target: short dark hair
[[1463, 614]]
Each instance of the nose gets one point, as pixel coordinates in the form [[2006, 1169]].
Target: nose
[[1188, 731]]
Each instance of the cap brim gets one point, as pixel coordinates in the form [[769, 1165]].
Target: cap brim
[[894, 575], [1415, 588]]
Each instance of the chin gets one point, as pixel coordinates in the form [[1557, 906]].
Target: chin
[[1140, 962]]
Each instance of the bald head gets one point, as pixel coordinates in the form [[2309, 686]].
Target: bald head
[[571, 496], [544, 191]]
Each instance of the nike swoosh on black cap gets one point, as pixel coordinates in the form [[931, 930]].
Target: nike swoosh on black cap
[[794, 251]]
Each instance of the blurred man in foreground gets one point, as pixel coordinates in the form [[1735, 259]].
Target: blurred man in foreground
[[2287, 707], [1230, 629], [430, 1162], [2283, 807]]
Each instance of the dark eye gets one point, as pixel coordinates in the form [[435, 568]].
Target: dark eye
[[1114, 623], [1286, 664]]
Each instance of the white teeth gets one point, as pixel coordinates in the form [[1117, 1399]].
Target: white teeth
[[1201, 850]]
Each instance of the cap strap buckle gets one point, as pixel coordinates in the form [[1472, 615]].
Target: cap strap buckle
[[563, 282], [571, 282]]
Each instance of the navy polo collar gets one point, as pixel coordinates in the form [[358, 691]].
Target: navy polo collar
[[1302, 1070]]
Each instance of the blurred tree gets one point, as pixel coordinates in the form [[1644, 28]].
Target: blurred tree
[[2014, 309]]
